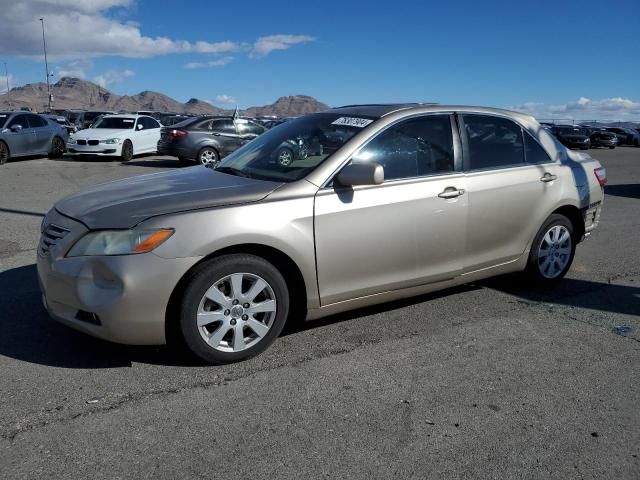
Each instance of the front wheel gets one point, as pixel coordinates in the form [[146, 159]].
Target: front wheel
[[57, 148], [4, 153], [127, 151], [233, 308], [552, 250]]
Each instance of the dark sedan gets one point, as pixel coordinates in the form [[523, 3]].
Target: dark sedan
[[572, 137], [207, 139], [25, 134]]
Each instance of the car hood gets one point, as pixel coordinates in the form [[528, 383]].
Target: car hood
[[101, 133], [125, 203]]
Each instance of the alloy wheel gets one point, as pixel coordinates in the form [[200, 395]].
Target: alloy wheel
[[208, 157], [236, 312], [285, 157], [554, 252]]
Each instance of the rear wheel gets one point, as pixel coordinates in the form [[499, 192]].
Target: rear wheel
[[233, 308], [552, 250], [127, 151], [4, 153], [208, 156], [57, 148], [284, 157]]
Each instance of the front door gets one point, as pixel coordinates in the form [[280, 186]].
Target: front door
[[22, 141], [408, 231]]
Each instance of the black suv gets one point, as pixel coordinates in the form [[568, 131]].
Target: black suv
[[207, 139], [626, 136], [600, 137], [571, 136]]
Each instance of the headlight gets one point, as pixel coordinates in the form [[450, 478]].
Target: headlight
[[71, 141], [119, 242], [111, 141]]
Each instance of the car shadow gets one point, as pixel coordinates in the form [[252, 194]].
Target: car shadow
[[159, 163], [599, 296], [629, 190], [27, 333]]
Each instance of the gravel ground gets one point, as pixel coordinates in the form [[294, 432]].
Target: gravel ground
[[490, 380]]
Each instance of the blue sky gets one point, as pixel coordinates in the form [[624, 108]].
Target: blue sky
[[572, 59]]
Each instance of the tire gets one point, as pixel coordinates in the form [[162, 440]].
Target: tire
[[284, 157], [208, 156], [127, 151], [228, 331], [550, 238], [57, 148], [4, 153]]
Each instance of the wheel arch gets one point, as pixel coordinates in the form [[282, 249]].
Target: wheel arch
[[574, 214], [283, 262]]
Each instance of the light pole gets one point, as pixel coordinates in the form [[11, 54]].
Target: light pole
[[6, 76], [46, 64]]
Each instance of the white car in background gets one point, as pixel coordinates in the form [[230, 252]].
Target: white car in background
[[117, 135]]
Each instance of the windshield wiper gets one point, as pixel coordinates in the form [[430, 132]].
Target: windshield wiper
[[231, 171]]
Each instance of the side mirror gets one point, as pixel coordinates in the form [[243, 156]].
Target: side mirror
[[139, 127], [16, 128], [361, 174]]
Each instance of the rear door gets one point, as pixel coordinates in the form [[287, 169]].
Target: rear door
[[225, 135], [21, 142], [42, 133], [511, 184], [408, 231]]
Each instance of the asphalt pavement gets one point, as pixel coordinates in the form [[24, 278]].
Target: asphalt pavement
[[489, 380]]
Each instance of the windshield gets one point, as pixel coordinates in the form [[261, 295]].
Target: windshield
[[292, 150], [3, 119], [119, 123], [88, 116]]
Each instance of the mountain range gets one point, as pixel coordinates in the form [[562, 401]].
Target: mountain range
[[75, 93]]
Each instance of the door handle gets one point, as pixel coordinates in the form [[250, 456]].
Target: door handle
[[451, 192], [548, 177]]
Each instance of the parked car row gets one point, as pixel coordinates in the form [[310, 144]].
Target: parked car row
[[586, 136]]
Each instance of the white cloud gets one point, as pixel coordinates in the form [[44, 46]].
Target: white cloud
[[225, 99], [265, 45], [112, 76], [584, 109], [212, 63], [77, 69], [3, 83], [81, 29]]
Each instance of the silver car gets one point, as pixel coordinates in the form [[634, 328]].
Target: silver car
[[24, 134], [391, 201]]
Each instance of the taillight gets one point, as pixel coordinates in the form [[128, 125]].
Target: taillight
[[177, 133], [601, 175]]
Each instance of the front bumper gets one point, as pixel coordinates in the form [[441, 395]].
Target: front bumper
[[100, 149], [122, 299]]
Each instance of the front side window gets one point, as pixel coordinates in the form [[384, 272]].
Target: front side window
[[412, 148], [19, 120], [493, 142]]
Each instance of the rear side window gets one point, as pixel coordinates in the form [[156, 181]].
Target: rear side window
[[413, 148], [492, 142], [246, 127], [222, 126], [36, 121], [534, 151]]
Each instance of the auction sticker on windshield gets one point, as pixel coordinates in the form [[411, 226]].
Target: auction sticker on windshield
[[352, 122]]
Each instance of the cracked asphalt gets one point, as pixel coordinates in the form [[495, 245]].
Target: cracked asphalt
[[489, 380]]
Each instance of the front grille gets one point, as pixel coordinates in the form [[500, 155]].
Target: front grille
[[93, 142], [82, 142], [50, 237]]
